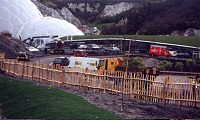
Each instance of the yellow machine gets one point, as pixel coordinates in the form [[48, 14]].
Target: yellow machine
[[101, 64], [110, 64]]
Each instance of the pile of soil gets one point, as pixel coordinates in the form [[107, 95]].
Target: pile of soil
[[11, 46]]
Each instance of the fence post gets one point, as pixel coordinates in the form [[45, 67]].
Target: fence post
[[124, 77], [131, 84], [22, 70], [164, 90], [14, 71], [104, 81], [194, 82], [62, 76], [47, 74], [2, 64], [33, 69], [8, 67]]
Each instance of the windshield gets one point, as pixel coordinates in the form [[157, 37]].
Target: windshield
[[22, 54], [58, 60], [116, 48]]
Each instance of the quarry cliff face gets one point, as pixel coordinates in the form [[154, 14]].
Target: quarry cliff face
[[115, 9], [77, 12], [63, 13], [85, 7], [103, 10]]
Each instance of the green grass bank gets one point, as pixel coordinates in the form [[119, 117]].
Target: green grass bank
[[182, 40], [26, 100]]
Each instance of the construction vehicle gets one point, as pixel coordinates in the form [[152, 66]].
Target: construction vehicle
[[23, 56], [109, 64], [55, 47]]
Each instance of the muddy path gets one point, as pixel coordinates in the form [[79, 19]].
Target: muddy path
[[136, 109]]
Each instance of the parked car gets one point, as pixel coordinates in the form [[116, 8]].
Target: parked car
[[80, 53], [93, 47], [183, 55], [173, 53], [111, 49], [82, 47], [61, 61], [75, 45], [23, 56]]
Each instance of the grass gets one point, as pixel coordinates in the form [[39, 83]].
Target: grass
[[182, 40], [25, 100]]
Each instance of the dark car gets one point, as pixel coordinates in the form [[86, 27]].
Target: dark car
[[111, 49], [80, 53], [61, 61], [183, 55], [23, 56]]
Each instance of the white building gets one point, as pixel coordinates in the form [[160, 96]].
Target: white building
[[23, 20]]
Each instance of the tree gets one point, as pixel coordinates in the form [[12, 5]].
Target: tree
[[165, 65], [191, 63], [137, 62], [179, 66]]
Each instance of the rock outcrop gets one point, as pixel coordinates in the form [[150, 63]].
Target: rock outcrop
[[113, 10], [64, 13]]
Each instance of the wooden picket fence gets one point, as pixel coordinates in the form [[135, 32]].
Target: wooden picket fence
[[135, 85]]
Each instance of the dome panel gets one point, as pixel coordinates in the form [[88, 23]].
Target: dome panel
[[14, 2], [23, 18], [4, 3], [16, 21], [14, 30], [6, 25], [15, 10], [51, 26], [5, 12]]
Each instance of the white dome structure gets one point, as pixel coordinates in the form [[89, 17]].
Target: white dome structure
[[22, 19]]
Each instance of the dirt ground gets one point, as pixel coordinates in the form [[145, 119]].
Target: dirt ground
[[11, 46], [136, 109], [133, 108]]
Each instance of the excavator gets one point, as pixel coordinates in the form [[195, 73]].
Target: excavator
[[56, 46]]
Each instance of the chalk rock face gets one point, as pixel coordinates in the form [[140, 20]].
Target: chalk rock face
[[63, 13], [22, 18], [113, 10]]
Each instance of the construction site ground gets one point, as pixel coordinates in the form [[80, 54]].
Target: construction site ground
[[133, 108]]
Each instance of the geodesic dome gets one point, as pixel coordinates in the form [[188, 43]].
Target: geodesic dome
[[22, 18]]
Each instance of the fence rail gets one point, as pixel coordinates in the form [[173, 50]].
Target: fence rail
[[135, 85]]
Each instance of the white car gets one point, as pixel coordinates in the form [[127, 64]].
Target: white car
[[93, 47], [82, 47], [173, 53]]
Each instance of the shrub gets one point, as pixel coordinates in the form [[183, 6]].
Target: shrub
[[137, 62], [191, 63], [165, 65], [179, 66]]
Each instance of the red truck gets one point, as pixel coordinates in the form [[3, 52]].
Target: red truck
[[159, 50]]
